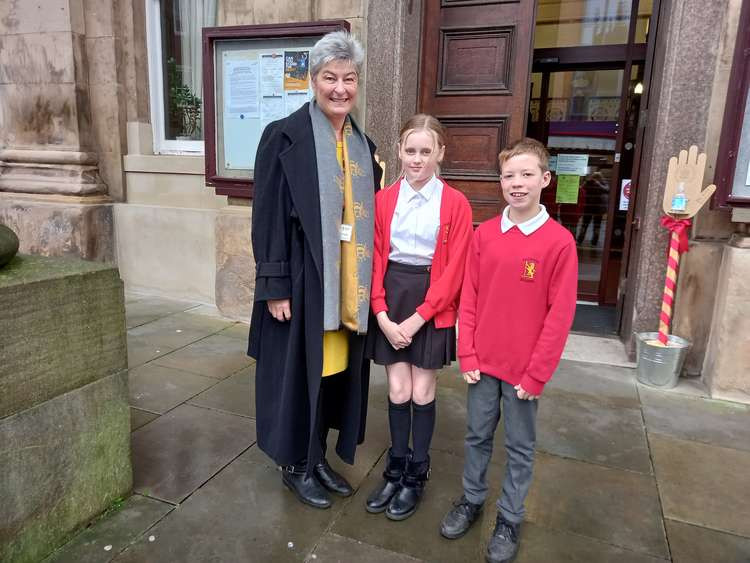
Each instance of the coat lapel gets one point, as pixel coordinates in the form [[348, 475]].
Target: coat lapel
[[301, 172]]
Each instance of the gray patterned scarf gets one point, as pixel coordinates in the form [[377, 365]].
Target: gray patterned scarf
[[331, 186]]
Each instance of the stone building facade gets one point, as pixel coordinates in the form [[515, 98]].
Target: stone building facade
[[84, 172]]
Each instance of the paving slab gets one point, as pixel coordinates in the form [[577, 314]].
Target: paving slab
[[694, 544], [192, 319], [703, 484], [242, 514], [140, 418], [613, 505], [181, 450], [591, 431], [214, 356], [719, 423], [143, 309], [164, 338], [610, 385], [337, 549], [113, 532], [419, 535], [539, 544], [159, 389], [142, 349], [609, 351], [236, 394], [237, 330]]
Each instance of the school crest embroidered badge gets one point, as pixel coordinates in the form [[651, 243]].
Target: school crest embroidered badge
[[529, 269]]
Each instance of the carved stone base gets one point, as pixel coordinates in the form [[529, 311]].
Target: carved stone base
[[235, 267], [726, 370], [50, 172], [61, 225]]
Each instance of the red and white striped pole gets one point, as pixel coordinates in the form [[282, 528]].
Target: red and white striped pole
[[670, 287], [678, 243]]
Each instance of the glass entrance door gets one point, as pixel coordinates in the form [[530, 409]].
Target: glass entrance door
[[587, 120]]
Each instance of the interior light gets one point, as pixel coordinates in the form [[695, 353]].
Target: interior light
[[638, 88]]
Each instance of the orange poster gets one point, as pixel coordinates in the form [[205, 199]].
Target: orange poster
[[296, 70]]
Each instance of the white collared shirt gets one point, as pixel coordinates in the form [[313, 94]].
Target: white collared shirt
[[527, 227], [415, 223]]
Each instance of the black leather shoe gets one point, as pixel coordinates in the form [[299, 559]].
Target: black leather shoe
[[332, 480], [460, 518], [503, 544], [306, 488], [406, 500], [380, 497]]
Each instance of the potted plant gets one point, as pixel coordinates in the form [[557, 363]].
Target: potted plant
[[184, 105]]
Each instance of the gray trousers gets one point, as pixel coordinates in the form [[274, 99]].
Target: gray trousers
[[519, 419]]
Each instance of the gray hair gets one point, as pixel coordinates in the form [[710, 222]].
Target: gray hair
[[336, 46]]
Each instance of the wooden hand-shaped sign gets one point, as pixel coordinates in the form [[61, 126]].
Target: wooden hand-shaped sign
[[685, 176], [683, 198]]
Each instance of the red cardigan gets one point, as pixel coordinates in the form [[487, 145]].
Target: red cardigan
[[446, 273]]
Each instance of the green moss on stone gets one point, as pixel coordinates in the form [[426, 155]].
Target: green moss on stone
[[25, 269]]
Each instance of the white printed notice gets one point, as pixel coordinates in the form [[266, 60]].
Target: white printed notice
[[295, 100], [271, 74], [241, 89], [271, 108], [574, 164]]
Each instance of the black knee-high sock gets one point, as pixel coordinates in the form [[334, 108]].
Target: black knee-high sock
[[399, 419], [422, 428]]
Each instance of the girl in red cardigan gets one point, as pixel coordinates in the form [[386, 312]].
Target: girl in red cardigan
[[422, 233]]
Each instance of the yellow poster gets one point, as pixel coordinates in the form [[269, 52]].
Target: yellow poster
[[296, 70], [567, 188]]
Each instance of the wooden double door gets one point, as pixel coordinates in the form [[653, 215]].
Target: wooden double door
[[476, 77], [475, 64]]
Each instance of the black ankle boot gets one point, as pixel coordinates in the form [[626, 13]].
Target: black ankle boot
[[404, 503], [306, 488], [383, 493], [332, 480]]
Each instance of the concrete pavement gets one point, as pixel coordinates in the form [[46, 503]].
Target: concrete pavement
[[623, 472]]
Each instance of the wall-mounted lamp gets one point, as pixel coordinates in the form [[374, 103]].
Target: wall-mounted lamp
[[638, 88]]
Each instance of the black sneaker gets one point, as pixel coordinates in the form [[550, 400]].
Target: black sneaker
[[459, 519], [503, 544]]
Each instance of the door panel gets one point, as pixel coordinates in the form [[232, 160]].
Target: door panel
[[476, 59]]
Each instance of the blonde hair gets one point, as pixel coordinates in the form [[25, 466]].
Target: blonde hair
[[525, 145], [424, 122]]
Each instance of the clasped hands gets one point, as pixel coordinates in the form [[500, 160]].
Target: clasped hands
[[472, 376], [400, 334]]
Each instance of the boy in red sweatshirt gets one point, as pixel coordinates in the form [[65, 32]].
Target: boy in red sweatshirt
[[517, 306]]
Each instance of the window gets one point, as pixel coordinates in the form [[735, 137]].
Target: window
[[573, 23], [732, 176], [175, 72]]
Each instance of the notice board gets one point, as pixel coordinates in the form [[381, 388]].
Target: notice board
[[253, 75]]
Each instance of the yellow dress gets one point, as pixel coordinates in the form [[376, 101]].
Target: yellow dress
[[336, 342]]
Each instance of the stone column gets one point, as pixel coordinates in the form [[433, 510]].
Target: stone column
[[51, 190], [726, 370]]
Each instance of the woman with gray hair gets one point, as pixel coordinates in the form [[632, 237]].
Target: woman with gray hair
[[312, 235]]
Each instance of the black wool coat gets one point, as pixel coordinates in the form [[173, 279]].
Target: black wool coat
[[287, 244]]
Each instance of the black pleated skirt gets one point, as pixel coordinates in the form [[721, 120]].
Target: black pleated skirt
[[431, 348]]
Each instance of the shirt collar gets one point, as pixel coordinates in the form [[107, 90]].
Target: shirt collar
[[527, 227], [426, 192]]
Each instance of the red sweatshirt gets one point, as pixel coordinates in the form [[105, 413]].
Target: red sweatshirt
[[517, 302], [446, 273]]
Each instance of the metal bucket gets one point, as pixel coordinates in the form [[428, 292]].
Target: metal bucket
[[660, 366]]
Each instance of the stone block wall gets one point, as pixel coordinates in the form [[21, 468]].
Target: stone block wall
[[64, 416]]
